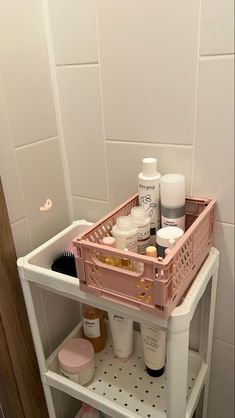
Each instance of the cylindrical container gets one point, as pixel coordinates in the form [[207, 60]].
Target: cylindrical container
[[172, 191], [153, 340], [125, 233], [151, 251], [142, 221], [76, 359], [122, 335], [165, 237], [111, 260], [88, 411], [93, 326], [149, 194], [154, 348]]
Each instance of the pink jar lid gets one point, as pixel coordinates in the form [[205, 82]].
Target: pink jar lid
[[76, 355]]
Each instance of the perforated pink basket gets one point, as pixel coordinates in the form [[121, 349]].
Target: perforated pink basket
[[158, 285]]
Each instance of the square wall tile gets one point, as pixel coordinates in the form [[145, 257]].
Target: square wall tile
[[224, 314], [148, 53], [42, 178], [8, 167], [21, 236], [80, 102], [25, 71], [217, 27], [73, 28], [221, 394], [213, 171], [89, 209], [124, 161]]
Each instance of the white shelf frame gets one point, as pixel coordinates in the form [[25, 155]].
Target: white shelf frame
[[33, 269]]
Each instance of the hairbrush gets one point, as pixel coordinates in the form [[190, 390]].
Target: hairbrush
[[65, 263]]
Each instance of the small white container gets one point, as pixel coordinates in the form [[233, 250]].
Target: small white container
[[125, 233], [142, 221], [76, 359], [166, 238]]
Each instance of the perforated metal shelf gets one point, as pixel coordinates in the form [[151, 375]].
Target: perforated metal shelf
[[122, 385]]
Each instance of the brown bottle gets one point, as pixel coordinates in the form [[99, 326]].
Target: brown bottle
[[94, 326]]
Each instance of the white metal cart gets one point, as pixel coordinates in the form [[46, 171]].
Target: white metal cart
[[124, 390]]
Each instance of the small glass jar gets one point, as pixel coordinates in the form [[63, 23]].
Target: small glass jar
[[94, 326]]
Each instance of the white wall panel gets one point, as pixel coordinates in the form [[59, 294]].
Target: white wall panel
[[80, 102], [217, 27], [73, 26], [148, 66], [25, 71], [213, 171]]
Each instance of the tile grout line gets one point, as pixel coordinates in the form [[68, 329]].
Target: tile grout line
[[39, 141], [122, 141], [102, 104], [196, 96], [89, 198], [62, 146]]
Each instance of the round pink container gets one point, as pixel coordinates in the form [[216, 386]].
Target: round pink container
[[76, 359]]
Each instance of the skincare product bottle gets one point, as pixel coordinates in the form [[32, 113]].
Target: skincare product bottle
[[165, 237], [154, 348], [125, 233], [172, 191], [109, 259], [149, 194], [151, 251], [153, 340], [93, 326], [142, 221], [122, 335]]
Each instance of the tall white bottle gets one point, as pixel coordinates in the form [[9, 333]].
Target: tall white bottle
[[149, 194]]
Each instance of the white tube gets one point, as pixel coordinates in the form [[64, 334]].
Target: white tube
[[154, 347], [122, 335]]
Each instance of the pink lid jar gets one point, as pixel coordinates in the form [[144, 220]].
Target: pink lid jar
[[76, 359]]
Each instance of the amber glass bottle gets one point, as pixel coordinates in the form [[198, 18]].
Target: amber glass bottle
[[94, 326]]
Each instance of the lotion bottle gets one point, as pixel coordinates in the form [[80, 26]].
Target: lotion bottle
[[142, 222], [153, 340], [173, 200], [125, 233], [149, 194]]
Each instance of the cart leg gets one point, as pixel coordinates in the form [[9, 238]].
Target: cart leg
[[206, 332], [49, 400], [177, 366]]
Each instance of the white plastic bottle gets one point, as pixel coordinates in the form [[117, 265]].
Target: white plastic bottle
[[125, 233], [122, 335], [142, 221], [172, 191], [149, 194]]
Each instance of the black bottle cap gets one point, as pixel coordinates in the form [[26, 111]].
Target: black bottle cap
[[155, 373]]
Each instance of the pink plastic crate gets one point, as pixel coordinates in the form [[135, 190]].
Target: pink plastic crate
[[161, 283]]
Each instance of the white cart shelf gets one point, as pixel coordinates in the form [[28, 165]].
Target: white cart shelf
[[124, 390]]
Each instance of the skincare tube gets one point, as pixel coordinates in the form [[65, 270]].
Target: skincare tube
[[154, 348], [122, 335]]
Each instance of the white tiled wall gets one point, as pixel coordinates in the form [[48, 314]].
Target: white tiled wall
[[165, 83], [30, 156], [135, 79]]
